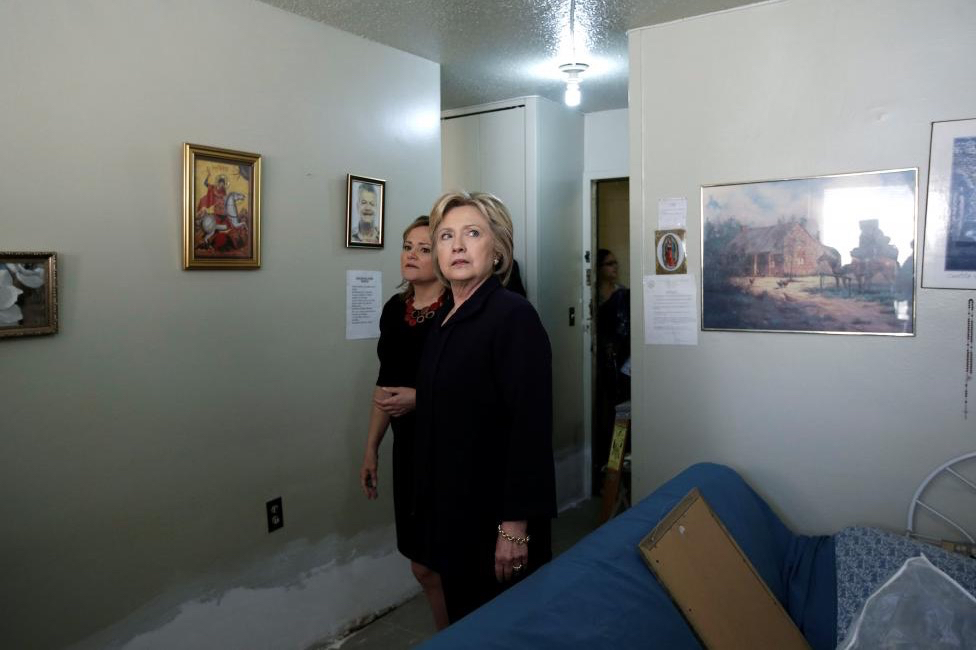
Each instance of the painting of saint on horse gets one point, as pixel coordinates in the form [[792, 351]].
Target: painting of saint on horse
[[222, 219], [831, 254]]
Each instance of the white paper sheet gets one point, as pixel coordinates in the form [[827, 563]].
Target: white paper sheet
[[670, 310], [672, 213], [363, 304]]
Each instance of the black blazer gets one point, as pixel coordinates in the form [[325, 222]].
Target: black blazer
[[484, 422]]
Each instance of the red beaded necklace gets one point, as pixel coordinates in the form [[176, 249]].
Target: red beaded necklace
[[416, 316]]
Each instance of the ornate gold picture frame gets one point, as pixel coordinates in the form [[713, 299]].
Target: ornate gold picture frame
[[221, 208], [28, 294]]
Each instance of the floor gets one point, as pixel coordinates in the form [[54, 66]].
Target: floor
[[410, 624]]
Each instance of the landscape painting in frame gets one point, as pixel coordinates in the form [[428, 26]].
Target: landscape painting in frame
[[221, 208], [28, 294], [828, 254]]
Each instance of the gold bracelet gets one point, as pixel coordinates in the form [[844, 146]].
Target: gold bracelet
[[518, 541]]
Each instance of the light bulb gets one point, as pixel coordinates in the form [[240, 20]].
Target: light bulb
[[573, 94]]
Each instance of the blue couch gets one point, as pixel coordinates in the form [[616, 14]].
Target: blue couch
[[600, 594]]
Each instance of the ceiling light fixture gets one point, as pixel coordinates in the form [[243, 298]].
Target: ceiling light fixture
[[574, 69], [573, 72]]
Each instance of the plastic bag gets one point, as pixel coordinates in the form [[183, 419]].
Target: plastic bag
[[918, 607]]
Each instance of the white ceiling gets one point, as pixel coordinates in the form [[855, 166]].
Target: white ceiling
[[497, 49]]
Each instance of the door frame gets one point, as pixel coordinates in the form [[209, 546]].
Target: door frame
[[588, 226]]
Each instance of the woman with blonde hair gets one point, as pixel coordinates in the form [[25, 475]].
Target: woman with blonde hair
[[404, 324], [485, 480]]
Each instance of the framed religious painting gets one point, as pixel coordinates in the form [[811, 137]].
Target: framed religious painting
[[950, 211], [823, 255], [221, 208], [365, 212], [28, 294]]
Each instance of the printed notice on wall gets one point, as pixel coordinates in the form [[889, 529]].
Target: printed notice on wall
[[672, 213], [670, 310], [363, 304]]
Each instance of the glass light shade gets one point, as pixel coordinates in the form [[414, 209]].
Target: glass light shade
[[573, 94]]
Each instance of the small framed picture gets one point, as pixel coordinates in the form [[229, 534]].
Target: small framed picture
[[365, 200], [28, 294], [950, 212], [221, 208]]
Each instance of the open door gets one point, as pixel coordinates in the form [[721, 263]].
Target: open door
[[610, 308]]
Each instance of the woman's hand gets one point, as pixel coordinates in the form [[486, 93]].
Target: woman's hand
[[398, 400], [369, 475], [511, 559]]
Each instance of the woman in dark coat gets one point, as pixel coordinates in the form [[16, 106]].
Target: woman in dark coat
[[406, 320], [485, 476]]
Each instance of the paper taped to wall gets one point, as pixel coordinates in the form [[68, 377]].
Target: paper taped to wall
[[670, 317], [363, 304]]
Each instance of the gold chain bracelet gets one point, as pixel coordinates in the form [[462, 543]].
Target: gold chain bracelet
[[518, 541]]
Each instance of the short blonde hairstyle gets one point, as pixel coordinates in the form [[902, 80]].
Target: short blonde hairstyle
[[494, 212]]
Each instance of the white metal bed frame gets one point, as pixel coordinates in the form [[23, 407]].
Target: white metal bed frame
[[947, 469]]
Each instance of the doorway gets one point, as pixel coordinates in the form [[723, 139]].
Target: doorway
[[610, 309]]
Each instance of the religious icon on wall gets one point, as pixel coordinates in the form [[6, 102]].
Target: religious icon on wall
[[670, 251], [221, 208]]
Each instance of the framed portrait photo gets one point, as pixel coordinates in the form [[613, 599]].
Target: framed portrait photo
[[28, 294], [822, 255], [221, 208], [365, 201], [950, 211]]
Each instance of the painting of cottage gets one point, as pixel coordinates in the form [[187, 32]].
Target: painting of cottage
[[830, 254]]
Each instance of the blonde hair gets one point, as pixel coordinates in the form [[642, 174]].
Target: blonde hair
[[423, 221], [499, 222]]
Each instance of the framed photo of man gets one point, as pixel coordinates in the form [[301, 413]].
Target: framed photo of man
[[365, 200], [221, 208]]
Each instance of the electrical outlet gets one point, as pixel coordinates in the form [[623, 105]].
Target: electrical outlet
[[276, 515]]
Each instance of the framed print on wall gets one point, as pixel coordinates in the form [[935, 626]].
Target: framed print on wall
[[826, 255], [28, 294], [221, 208], [365, 201], [950, 211]]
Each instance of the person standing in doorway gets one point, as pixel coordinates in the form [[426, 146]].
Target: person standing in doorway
[[613, 355]]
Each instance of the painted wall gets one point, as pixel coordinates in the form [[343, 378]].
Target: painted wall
[[834, 430], [606, 143], [142, 441]]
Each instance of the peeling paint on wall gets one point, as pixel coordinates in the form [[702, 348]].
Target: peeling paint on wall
[[304, 595]]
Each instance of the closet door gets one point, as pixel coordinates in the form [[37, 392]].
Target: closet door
[[460, 154], [502, 155]]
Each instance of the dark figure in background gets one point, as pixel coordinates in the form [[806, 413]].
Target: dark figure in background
[[406, 320], [486, 489], [515, 281], [613, 357]]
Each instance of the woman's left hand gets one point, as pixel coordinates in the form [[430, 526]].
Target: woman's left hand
[[511, 559], [399, 400]]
